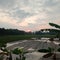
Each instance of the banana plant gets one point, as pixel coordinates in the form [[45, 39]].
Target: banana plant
[[20, 52], [52, 50]]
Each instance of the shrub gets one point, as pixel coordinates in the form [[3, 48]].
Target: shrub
[[43, 50], [46, 50]]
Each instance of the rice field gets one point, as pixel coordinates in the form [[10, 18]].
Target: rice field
[[11, 38]]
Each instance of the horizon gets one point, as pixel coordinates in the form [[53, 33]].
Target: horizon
[[30, 15]]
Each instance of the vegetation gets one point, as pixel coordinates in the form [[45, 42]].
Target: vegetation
[[11, 38], [54, 25], [43, 50], [4, 31], [20, 52], [57, 33], [10, 35], [46, 50]]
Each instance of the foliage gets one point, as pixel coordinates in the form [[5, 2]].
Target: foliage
[[57, 31], [46, 50], [20, 52], [54, 25], [17, 51], [2, 44], [4, 31]]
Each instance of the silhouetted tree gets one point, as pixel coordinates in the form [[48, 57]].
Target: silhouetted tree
[[4, 31], [57, 31], [54, 25]]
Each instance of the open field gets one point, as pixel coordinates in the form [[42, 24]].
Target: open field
[[11, 38]]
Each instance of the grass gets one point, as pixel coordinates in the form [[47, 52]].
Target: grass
[[10, 38]]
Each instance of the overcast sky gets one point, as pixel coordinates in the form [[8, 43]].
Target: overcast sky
[[29, 14]]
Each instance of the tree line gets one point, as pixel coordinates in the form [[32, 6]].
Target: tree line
[[48, 32], [4, 31]]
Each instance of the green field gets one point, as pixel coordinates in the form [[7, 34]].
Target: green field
[[11, 38]]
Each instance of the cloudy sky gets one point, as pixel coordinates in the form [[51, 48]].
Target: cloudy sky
[[29, 14]]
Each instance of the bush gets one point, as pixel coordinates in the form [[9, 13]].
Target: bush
[[44, 50], [18, 51]]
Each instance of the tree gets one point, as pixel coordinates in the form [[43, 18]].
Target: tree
[[57, 26], [54, 25]]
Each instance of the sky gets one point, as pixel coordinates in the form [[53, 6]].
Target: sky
[[29, 15]]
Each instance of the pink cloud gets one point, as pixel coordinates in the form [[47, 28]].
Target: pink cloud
[[28, 20], [6, 19]]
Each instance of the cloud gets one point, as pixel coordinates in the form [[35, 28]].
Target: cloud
[[7, 4], [30, 20], [18, 13], [33, 20], [29, 14], [6, 21]]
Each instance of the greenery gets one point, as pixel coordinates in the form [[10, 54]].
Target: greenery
[[11, 38], [20, 52], [2, 44], [17, 51], [46, 50], [57, 31], [10, 35], [54, 25], [4, 31]]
